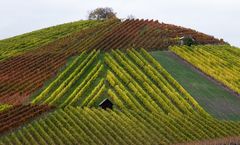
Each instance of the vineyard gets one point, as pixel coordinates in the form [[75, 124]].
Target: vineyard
[[146, 34], [213, 97], [75, 82], [30, 41], [94, 126], [22, 75], [220, 62], [25, 73], [17, 115], [51, 86], [150, 89]]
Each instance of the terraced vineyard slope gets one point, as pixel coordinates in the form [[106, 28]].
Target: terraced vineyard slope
[[51, 90], [136, 78], [29, 41], [26, 73], [17, 115], [97, 126], [220, 102], [220, 62], [147, 95]]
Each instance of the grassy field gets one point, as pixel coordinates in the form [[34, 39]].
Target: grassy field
[[213, 98]]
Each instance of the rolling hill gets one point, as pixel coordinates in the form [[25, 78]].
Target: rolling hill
[[52, 82]]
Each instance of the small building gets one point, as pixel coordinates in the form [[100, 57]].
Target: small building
[[187, 40], [106, 103]]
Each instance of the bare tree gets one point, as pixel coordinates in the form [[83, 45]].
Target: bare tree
[[130, 17], [102, 13]]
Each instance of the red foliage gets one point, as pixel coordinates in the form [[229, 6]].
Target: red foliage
[[20, 114], [22, 75]]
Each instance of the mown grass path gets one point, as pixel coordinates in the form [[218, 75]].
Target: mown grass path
[[211, 96]]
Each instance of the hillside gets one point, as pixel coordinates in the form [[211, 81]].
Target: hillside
[[25, 42], [162, 92]]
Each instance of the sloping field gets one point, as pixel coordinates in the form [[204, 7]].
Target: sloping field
[[22, 75], [150, 106], [82, 78], [96, 126], [29, 41], [146, 34], [17, 115], [150, 89], [210, 95], [220, 62], [155, 101]]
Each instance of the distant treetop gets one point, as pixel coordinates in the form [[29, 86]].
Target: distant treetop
[[102, 14], [130, 17]]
